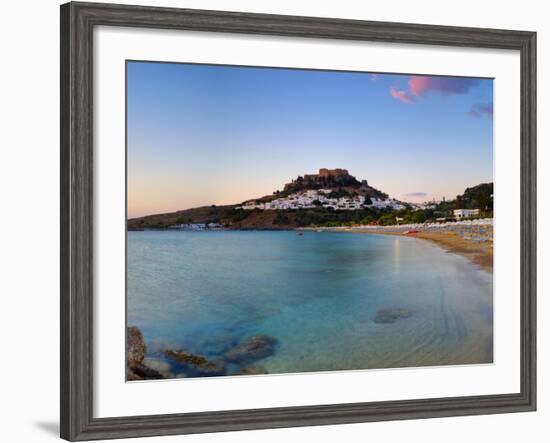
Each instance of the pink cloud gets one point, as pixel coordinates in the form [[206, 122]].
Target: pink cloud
[[400, 95], [420, 84], [481, 109]]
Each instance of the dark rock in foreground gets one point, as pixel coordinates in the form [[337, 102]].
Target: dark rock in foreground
[[197, 363], [390, 315], [135, 369], [135, 347], [147, 373], [132, 376], [251, 349], [253, 370]]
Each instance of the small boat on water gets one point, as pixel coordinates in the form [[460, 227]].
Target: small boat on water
[[300, 233]]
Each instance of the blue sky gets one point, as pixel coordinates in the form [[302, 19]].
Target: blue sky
[[202, 134]]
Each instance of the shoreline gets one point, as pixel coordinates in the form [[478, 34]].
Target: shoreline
[[480, 254], [473, 241]]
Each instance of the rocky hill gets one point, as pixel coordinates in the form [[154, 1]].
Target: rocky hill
[[334, 179]]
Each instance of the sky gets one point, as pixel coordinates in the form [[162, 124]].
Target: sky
[[205, 134]]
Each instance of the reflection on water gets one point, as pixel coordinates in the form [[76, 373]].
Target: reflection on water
[[396, 254], [317, 294]]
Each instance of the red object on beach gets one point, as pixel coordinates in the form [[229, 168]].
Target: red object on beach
[[412, 231]]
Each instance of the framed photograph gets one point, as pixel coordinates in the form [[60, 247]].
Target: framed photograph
[[272, 221]]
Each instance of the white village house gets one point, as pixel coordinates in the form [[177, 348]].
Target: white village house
[[313, 198]]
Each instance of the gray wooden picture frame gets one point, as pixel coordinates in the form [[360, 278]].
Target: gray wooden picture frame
[[77, 24]]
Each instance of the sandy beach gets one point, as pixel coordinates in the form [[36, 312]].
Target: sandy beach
[[471, 239], [481, 253]]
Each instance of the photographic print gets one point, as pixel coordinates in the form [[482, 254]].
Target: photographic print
[[284, 220]]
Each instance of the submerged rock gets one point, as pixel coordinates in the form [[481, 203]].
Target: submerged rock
[[218, 345], [251, 349], [197, 363], [186, 357], [253, 370], [135, 346], [161, 366], [390, 315]]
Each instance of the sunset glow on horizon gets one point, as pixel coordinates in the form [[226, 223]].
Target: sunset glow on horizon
[[202, 135]]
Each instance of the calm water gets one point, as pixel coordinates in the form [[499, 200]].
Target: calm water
[[317, 294]]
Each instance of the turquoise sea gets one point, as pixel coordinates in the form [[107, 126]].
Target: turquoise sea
[[317, 294]]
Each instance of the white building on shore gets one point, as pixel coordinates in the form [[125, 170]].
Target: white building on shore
[[465, 213]]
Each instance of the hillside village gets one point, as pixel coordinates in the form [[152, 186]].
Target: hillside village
[[322, 198]]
